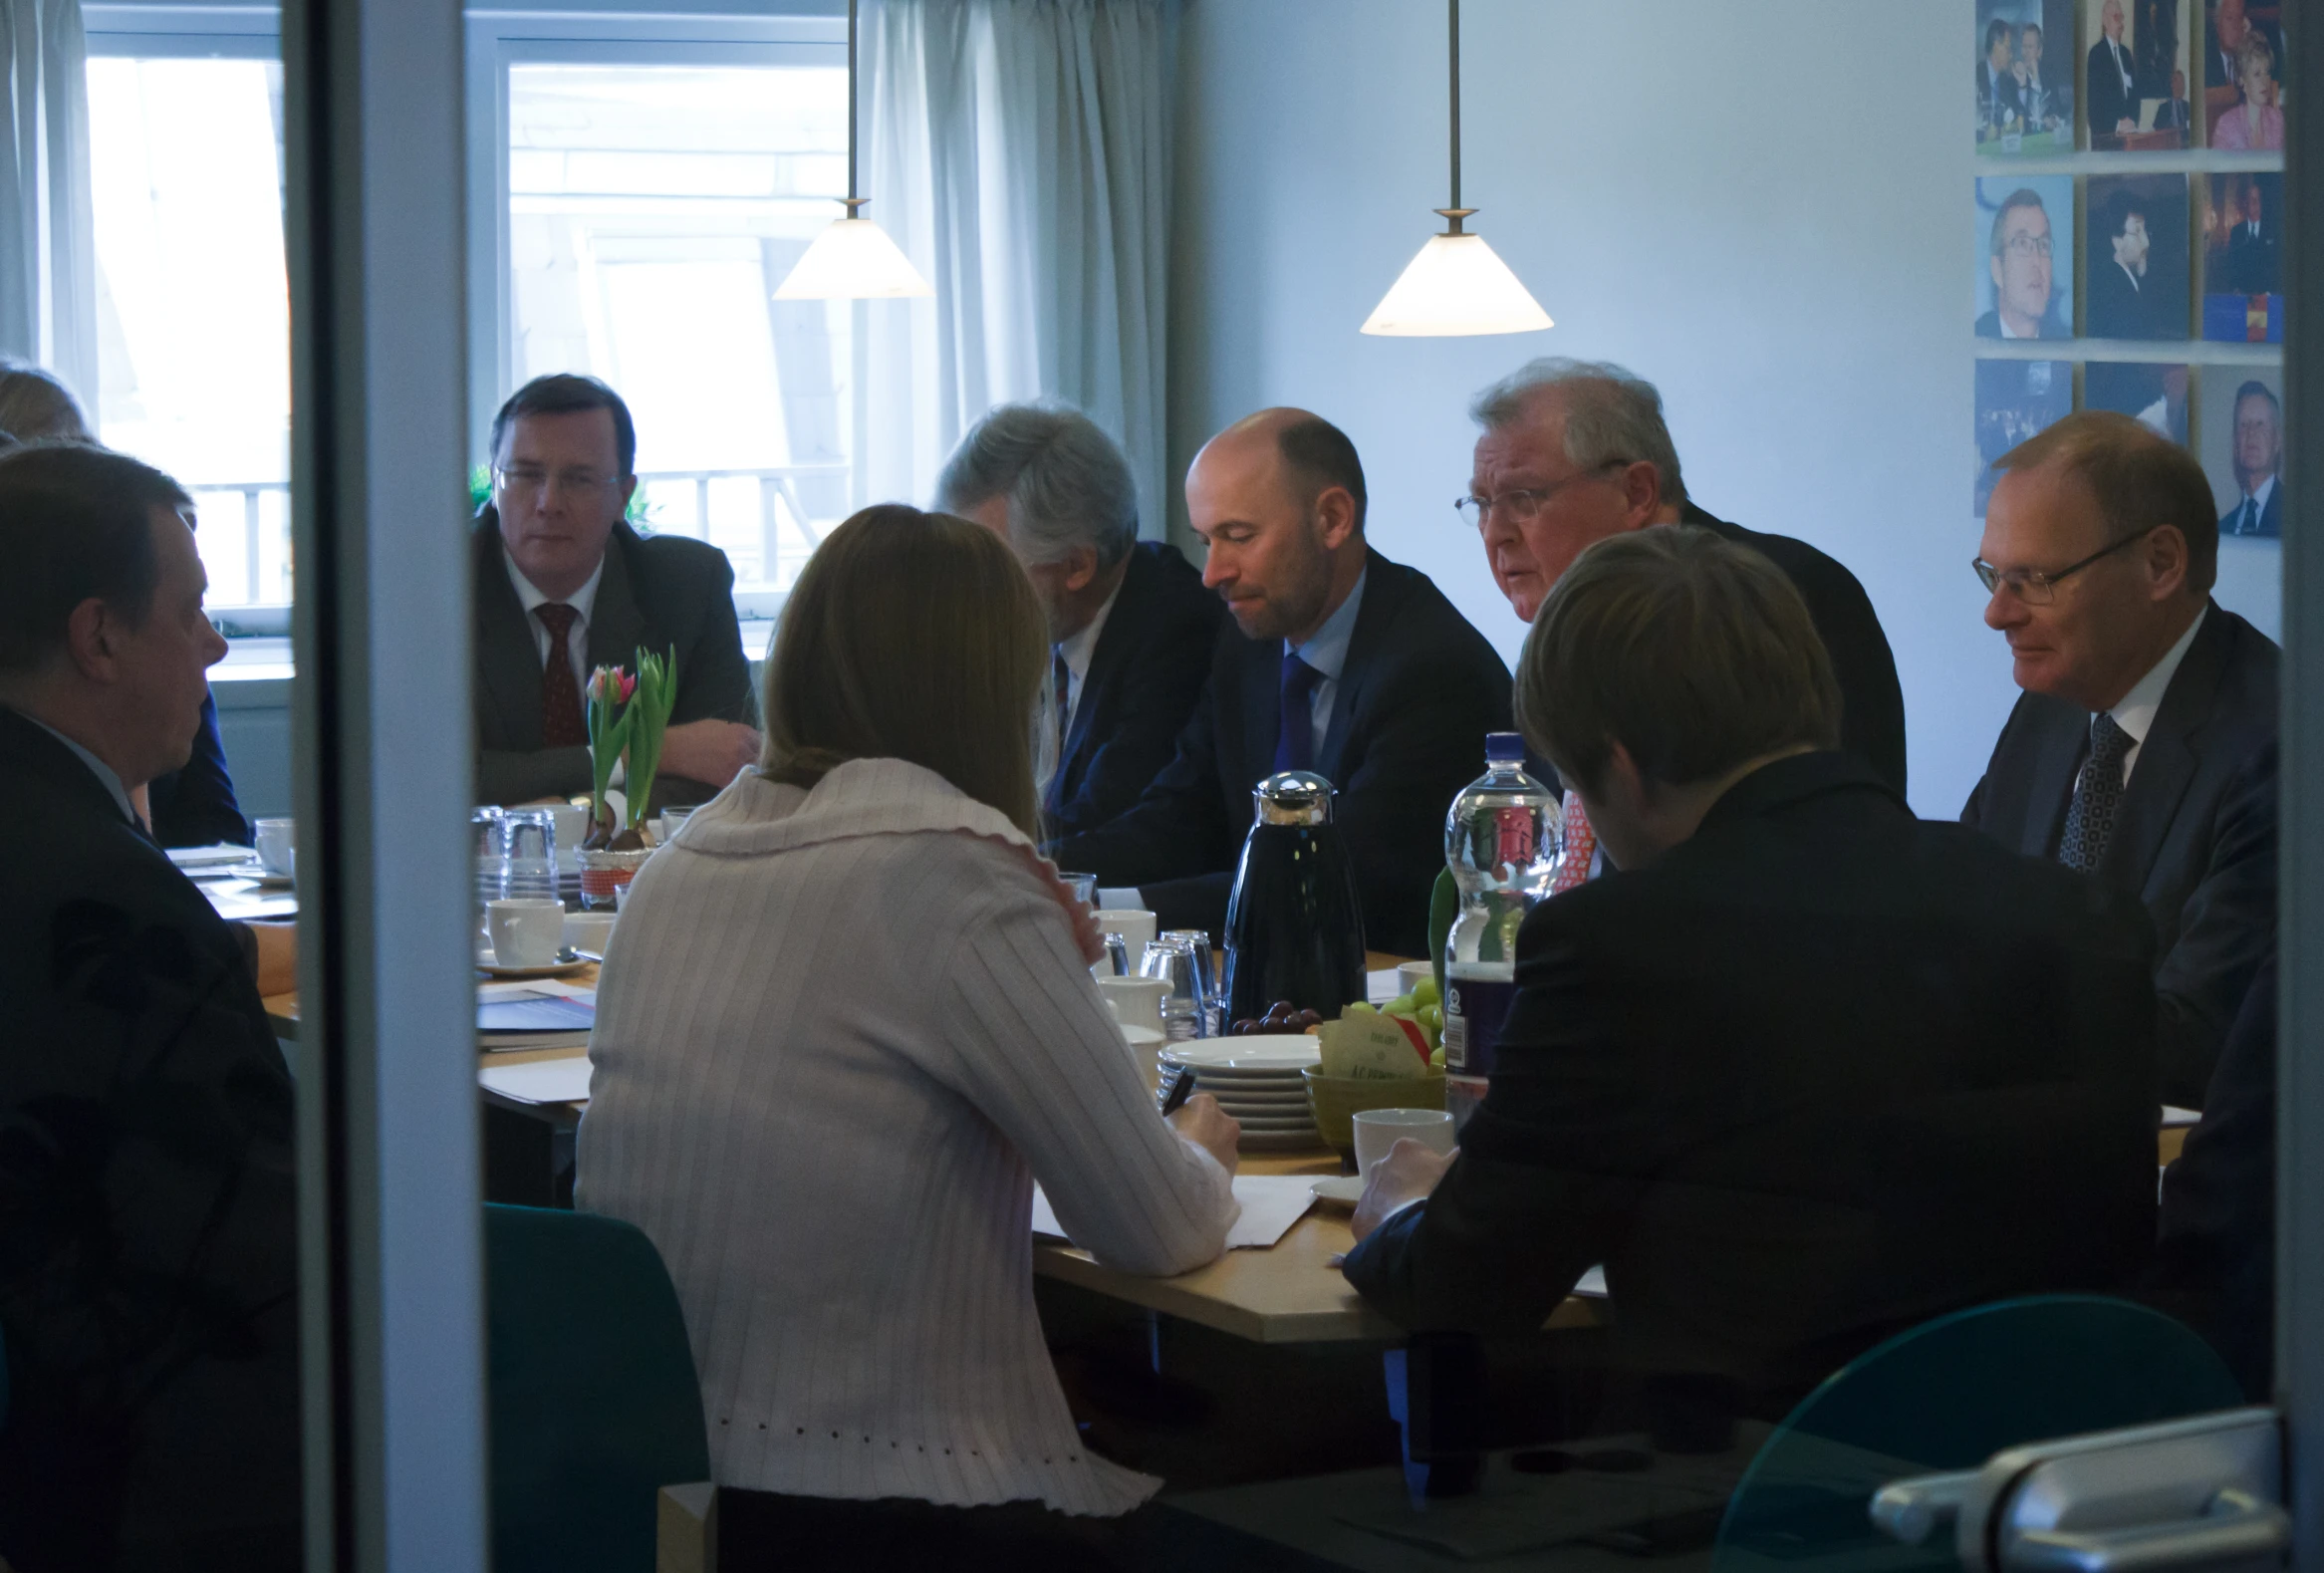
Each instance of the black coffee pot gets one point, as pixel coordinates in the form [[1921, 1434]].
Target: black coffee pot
[[1294, 925]]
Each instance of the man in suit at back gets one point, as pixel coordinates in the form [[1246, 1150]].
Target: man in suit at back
[[2113, 79], [1130, 623], [2124, 296], [2143, 750], [2001, 94], [1340, 661], [2258, 454], [1575, 452], [564, 584], [148, 1220], [1805, 1070]]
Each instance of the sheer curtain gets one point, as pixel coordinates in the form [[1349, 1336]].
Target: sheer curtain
[[48, 241], [1019, 153]]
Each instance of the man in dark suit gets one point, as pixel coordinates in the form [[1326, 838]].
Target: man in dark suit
[[2048, 106], [2023, 268], [149, 1270], [2112, 91], [2124, 297], [2254, 263], [1131, 624], [1805, 1070], [2001, 94], [1340, 661], [1574, 451], [2143, 750], [2259, 511], [564, 584]]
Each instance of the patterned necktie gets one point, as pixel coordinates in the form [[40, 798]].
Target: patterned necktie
[[1295, 729], [2096, 797], [1580, 849], [2249, 523], [562, 725]]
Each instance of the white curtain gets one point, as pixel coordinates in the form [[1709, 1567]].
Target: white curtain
[[48, 244], [1018, 150]]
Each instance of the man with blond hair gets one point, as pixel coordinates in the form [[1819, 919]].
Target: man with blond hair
[[2142, 751]]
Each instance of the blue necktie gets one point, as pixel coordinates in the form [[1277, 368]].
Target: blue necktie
[[2096, 797], [1295, 731]]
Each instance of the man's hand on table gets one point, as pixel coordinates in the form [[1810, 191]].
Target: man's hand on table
[[1408, 1173], [1201, 1121], [713, 752]]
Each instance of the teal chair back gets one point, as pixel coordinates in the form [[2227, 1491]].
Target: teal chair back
[[594, 1401], [1949, 1395]]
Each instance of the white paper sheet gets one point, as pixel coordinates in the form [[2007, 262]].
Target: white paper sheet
[[540, 1081], [2178, 1117], [1380, 988], [1271, 1203]]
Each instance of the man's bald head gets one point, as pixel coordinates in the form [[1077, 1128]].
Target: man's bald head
[[1307, 454], [1278, 497]]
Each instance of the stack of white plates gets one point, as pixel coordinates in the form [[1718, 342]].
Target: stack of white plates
[[1256, 1080]]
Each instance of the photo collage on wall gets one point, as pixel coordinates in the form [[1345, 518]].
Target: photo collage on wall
[[2156, 283]]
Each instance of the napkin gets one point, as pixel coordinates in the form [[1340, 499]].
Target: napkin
[[1271, 1203]]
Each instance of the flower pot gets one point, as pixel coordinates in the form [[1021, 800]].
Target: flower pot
[[602, 873]]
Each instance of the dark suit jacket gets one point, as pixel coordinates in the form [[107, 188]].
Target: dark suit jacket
[[194, 806], [1145, 679], [148, 1225], [2195, 837], [2104, 94], [2270, 517], [2118, 309], [663, 592], [1816, 1074], [2052, 326], [1420, 691], [2215, 1261], [1998, 99], [2253, 264], [1872, 716]]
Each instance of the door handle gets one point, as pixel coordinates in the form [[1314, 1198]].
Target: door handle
[[2235, 1526]]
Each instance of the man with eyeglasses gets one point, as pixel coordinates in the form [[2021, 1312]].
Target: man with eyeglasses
[[2024, 300], [2144, 748], [1574, 451], [564, 584]]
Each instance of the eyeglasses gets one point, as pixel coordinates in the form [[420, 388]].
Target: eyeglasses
[[2028, 245], [521, 478], [2037, 589], [1523, 505]]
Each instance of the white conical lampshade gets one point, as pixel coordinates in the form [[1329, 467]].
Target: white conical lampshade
[[1455, 286], [854, 261]]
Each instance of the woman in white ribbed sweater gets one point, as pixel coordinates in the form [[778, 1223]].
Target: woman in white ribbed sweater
[[846, 1021]]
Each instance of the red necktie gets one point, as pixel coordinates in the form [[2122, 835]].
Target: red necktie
[[561, 723], [1581, 848]]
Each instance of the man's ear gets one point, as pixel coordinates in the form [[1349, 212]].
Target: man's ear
[[1641, 494], [2166, 562], [629, 490], [93, 640], [1335, 517], [1079, 569]]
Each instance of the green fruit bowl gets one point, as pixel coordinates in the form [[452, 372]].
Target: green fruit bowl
[[1338, 1100]]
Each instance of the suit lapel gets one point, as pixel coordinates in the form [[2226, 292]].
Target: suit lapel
[[617, 627], [1261, 694], [1125, 626], [2167, 757], [1383, 596], [508, 657]]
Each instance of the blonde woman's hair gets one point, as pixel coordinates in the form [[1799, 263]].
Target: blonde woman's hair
[[910, 636], [35, 404]]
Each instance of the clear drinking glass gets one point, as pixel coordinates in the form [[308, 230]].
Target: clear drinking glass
[[1205, 968], [1117, 961], [1083, 885], [488, 830], [1185, 1009], [528, 864]]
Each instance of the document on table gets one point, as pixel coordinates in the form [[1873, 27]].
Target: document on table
[[1271, 1203], [540, 1081]]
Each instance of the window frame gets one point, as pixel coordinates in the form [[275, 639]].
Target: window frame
[[500, 37]]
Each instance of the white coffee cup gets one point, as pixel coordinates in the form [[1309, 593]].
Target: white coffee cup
[[1411, 974], [1146, 1053], [525, 931], [1130, 924], [277, 843], [589, 931], [1136, 1000], [572, 828], [1377, 1130]]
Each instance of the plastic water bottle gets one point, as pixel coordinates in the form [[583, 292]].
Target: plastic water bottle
[[1500, 842]]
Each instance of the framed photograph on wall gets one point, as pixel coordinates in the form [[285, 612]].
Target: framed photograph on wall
[[2023, 250], [2243, 448], [2243, 74], [2025, 76], [2242, 258], [2152, 394], [2134, 84], [2015, 400], [2135, 257]]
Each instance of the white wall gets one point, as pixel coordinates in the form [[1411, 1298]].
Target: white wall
[[1758, 206]]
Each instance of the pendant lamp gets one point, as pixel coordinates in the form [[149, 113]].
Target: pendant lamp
[[853, 259], [1456, 284]]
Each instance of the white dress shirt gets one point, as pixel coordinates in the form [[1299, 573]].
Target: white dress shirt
[[582, 601], [1077, 651], [1327, 651], [2136, 713], [2258, 501]]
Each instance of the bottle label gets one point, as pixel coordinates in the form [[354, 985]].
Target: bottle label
[[1474, 1009]]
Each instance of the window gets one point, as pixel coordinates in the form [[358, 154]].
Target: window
[[193, 374], [652, 209]]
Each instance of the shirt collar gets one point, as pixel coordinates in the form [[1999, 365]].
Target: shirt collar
[[104, 772], [1327, 648], [529, 594], [2136, 714], [1079, 650]]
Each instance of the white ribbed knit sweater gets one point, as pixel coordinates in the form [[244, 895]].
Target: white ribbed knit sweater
[[838, 1034]]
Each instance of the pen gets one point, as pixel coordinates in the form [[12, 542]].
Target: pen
[[1180, 1088]]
